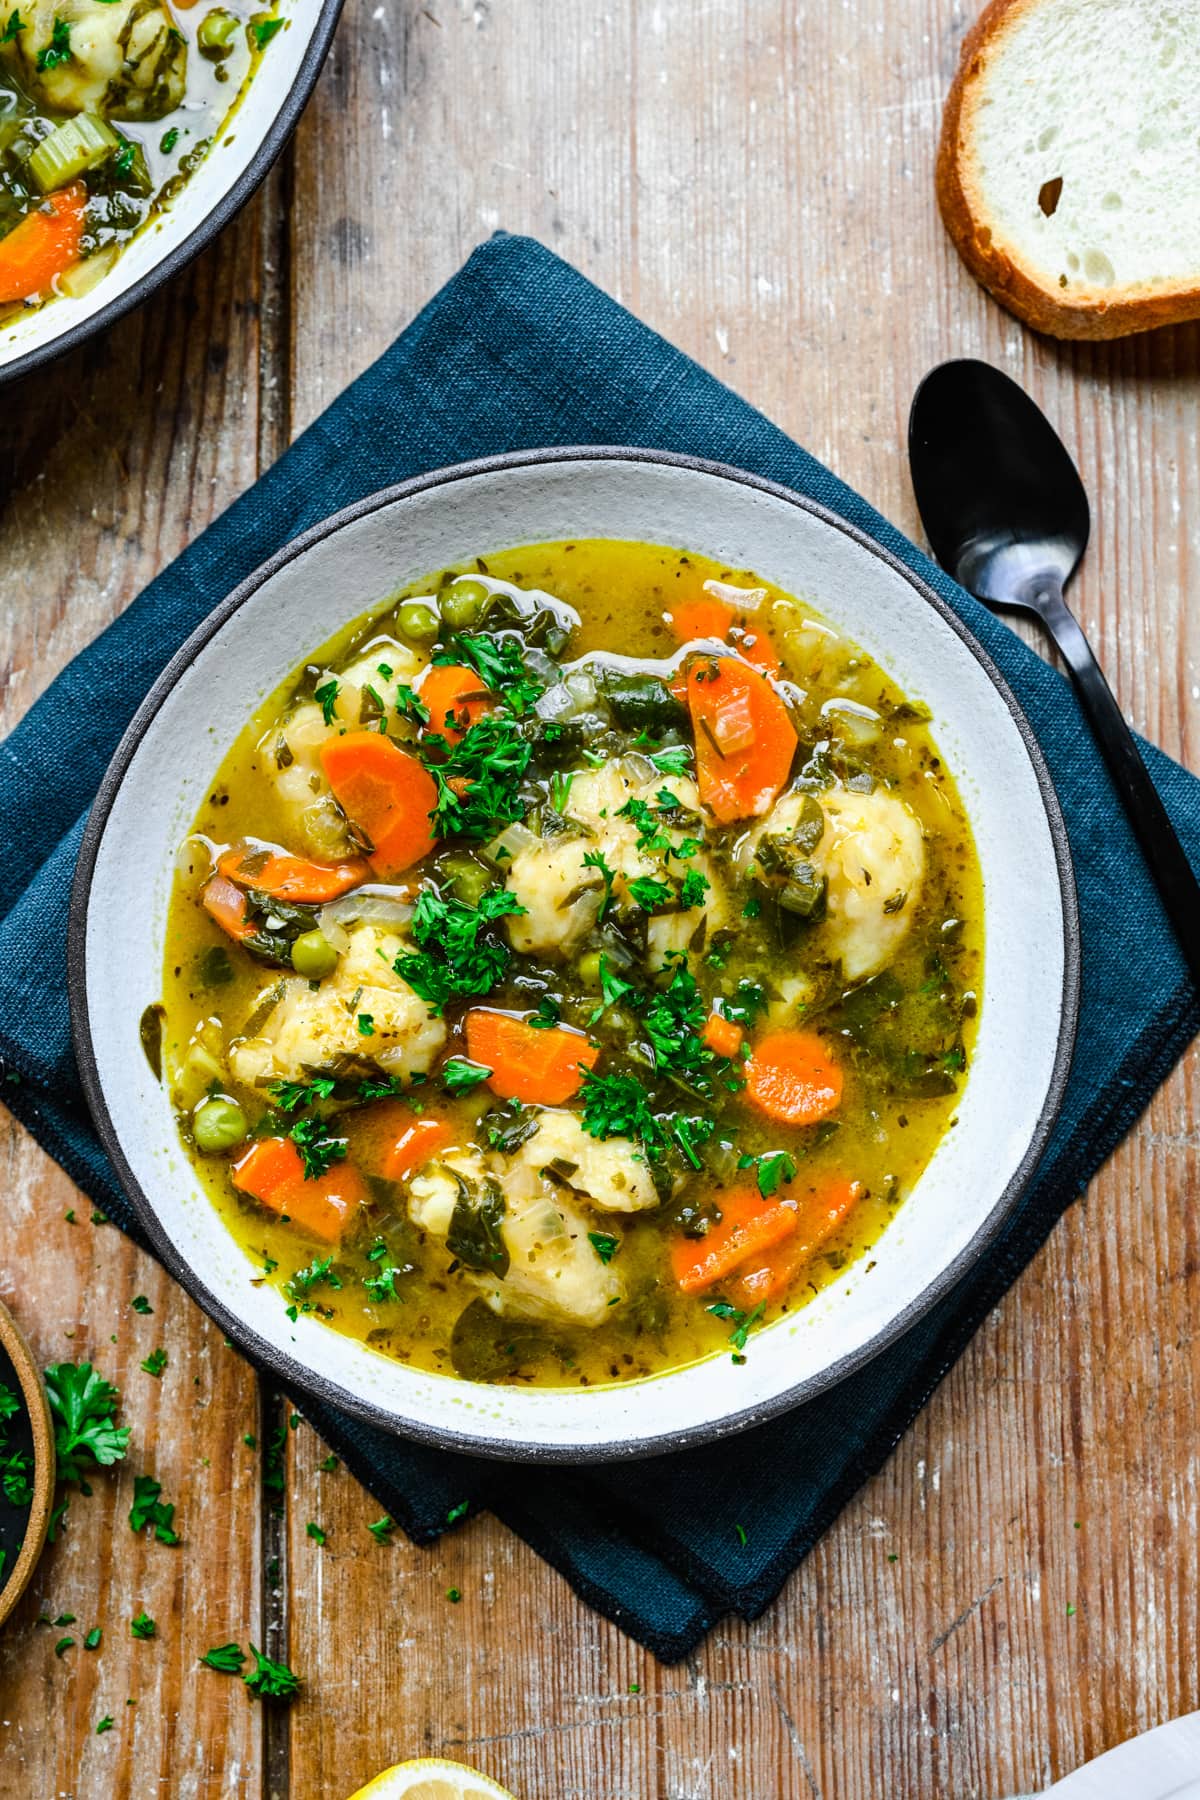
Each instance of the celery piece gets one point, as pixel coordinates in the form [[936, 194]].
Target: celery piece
[[83, 276], [71, 148]]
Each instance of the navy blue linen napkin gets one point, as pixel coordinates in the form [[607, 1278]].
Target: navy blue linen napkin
[[518, 351]]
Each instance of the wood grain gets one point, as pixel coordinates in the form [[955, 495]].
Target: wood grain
[[1015, 1591]]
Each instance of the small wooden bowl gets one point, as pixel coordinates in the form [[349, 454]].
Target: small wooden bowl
[[31, 1431]]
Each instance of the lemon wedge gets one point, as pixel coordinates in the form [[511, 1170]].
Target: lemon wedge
[[431, 1778]]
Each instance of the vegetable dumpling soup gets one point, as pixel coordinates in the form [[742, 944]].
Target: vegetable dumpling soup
[[106, 107], [572, 968]]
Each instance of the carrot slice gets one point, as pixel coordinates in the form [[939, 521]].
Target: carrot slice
[[722, 1035], [756, 646], [817, 1218], [711, 618], [44, 245], [387, 793], [705, 618], [292, 878], [415, 1143], [541, 1067], [272, 1172], [792, 1077], [748, 1226], [449, 689], [744, 739], [229, 907]]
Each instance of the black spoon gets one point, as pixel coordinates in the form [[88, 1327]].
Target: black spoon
[[1007, 516]]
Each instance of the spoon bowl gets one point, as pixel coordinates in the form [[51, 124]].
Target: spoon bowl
[[1000, 498]]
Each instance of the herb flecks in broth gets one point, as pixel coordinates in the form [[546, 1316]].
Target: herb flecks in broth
[[574, 968]]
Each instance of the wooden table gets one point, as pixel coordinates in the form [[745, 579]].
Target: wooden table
[[1016, 1591]]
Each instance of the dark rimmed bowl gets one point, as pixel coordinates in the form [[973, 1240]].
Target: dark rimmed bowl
[[254, 640]]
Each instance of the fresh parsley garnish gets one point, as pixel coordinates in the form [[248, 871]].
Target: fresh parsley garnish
[[743, 1322], [319, 1147], [674, 760], [693, 889], [143, 1626], [381, 1528], [478, 779], [500, 663], [745, 1003], [10, 1402], [460, 956], [606, 1247], [594, 859], [15, 26], [226, 1659], [650, 894], [773, 1167], [156, 1362], [459, 1076], [319, 1273], [408, 705], [326, 698], [58, 50], [149, 1509], [271, 1680], [290, 1096], [263, 30], [382, 1285], [86, 1434], [618, 1106]]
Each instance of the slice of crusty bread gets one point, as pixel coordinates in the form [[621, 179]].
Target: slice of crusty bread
[[1069, 168]]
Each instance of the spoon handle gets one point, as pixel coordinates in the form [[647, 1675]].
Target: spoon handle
[[1165, 855]]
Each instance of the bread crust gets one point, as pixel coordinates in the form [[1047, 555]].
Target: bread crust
[[1077, 313]]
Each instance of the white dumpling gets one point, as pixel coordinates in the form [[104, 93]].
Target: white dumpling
[[290, 755], [562, 895], [612, 1174], [872, 853], [310, 1029], [127, 59], [435, 1192], [554, 1272]]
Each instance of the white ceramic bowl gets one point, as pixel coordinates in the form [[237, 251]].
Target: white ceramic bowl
[[250, 644], [242, 153]]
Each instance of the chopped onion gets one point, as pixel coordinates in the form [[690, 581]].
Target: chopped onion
[[375, 904], [744, 599], [510, 843], [573, 695]]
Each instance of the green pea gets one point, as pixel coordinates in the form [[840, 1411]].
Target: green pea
[[589, 968], [313, 955], [214, 39], [219, 1125], [465, 603], [417, 623], [468, 879]]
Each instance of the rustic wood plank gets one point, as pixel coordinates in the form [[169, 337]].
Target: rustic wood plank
[[755, 180], [112, 461]]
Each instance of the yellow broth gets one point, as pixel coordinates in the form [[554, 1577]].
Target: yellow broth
[[899, 1028]]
